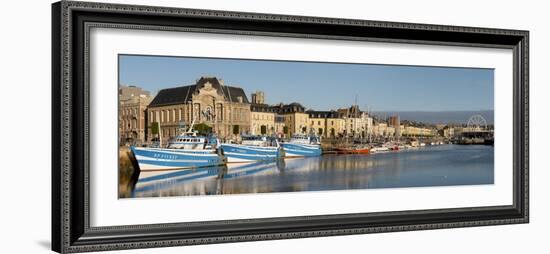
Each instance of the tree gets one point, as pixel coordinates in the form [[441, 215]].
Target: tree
[[155, 128], [285, 130], [203, 129], [236, 129], [263, 129], [320, 131]]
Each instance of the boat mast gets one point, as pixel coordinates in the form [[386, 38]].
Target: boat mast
[[160, 133], [191, 126]]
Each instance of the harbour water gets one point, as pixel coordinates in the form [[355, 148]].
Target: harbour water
[[443, 165]]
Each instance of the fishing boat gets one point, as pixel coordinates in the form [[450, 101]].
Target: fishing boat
[[186, 150], [302, 146], [253, 148]]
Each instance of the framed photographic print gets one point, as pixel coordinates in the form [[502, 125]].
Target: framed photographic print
[[181, 126]]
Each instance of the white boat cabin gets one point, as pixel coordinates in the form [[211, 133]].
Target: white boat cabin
[[304, 139], [261, 141], [189, 140]]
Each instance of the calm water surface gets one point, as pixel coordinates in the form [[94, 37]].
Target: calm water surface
[[430, 166]]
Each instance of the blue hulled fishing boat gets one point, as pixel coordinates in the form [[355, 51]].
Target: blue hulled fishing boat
[[187, 150], [253, 148], [302, 146]]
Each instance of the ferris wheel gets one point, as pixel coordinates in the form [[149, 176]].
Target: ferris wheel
[[477, 122]]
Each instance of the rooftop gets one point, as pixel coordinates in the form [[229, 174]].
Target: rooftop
[[184, 94]]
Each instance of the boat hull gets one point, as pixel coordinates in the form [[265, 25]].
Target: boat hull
[[352, 151], [301, 150], [236, 153], [166, 159]]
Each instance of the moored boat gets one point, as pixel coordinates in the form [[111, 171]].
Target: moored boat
[[253, 148], [302, 146], [391, 146], [187, 150], [353, 150], [379, 149]]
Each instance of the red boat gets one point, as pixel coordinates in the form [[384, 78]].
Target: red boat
[[352, 150]]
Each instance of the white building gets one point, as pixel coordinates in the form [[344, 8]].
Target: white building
[[357, 123]]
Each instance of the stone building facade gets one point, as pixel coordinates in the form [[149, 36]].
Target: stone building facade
[[382, 129], [262, 119], [133, 103], [326, 123], [280, 125], [412, 131], [209, 101], [296, 120]]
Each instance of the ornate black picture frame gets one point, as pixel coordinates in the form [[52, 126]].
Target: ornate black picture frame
[[71, 230]]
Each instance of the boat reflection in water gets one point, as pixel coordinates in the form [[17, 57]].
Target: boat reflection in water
[[435, 166], [200, 181]]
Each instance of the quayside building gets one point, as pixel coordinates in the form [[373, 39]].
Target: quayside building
[[224, 108]]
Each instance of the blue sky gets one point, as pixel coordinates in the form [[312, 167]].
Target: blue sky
[[324, 86]]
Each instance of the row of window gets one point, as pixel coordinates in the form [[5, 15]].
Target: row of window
[[163, 116], [194, 140], [129, 111], [262, 117], [319, 123], [129, 124]]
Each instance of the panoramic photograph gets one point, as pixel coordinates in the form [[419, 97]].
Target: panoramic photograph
[[191, 126]]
